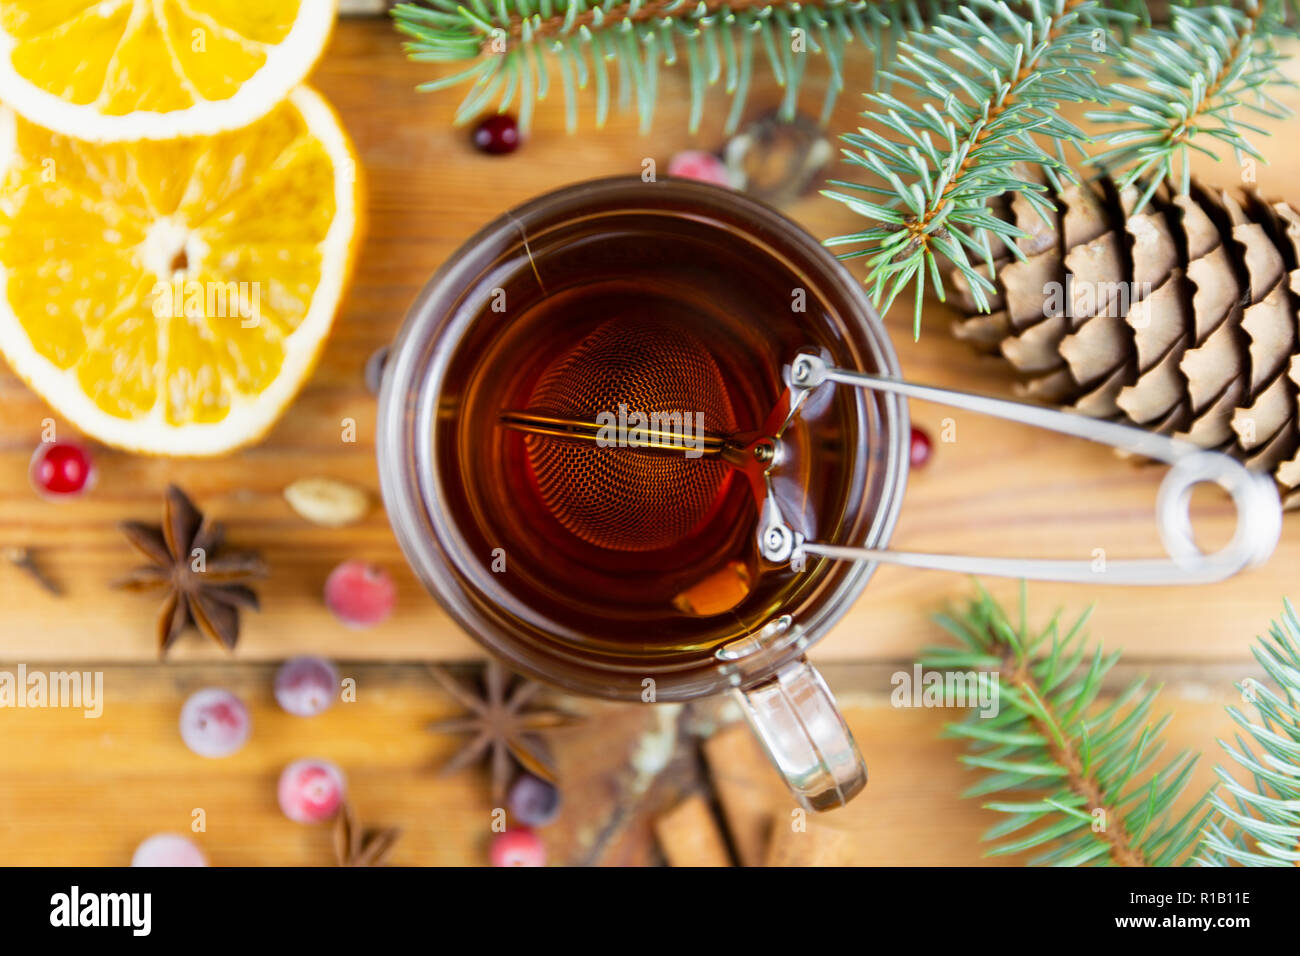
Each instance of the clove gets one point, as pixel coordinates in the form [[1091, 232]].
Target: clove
[[24, 560]]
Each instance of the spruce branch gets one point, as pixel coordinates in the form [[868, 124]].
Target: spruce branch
[[1072, 777], [986, 86], [1193, 81], [1259, 824], [1184, 87], [511, 47]]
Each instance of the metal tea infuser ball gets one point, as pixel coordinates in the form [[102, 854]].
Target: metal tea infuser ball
[[640, 498]]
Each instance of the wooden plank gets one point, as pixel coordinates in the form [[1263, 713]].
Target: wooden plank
[[82, 791], [912, 812], [688, 834], [738, 769], [997, 488], [78, 791]]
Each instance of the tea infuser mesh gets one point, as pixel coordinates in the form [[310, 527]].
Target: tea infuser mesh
[[631, 499], [618, 497]]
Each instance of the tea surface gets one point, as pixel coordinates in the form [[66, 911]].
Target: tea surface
[[672, 338]]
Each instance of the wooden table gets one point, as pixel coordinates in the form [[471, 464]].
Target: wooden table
[[79, 791]]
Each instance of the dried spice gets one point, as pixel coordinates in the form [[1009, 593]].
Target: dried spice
[[356, 846], [327, 501], [500, 725], [203, 586], [25, 560]]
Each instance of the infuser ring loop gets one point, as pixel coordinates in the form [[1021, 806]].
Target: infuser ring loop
[[1258, 508]]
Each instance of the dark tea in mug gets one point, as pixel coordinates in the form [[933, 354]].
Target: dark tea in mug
[[665, 314]]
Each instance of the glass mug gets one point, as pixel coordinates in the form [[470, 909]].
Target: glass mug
[[649, 577], [668, 239]]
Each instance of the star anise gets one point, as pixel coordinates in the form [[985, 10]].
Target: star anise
[[499, 725], [203, 586], [354, 846]]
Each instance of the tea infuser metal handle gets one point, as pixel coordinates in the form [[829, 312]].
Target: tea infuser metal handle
[[1258, 507]]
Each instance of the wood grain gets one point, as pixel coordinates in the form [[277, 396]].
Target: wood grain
[[80, 791], [688, 835], [997, 488], [911, 812]]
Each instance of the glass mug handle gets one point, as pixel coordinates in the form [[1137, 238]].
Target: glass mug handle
[[795, 717]]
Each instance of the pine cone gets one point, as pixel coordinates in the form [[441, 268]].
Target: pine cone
[[1183, 319]]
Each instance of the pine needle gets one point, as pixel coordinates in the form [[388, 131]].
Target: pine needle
[[979, 91], [719, 39], [964, 96], [978, 117], [1258, 824], [1185, 88], [1072, 778]]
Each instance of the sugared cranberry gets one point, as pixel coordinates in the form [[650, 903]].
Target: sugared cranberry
[[919, 453], [497, 135], [311, 791], [61, 468], [532, 801], [168, 849], [305, 686], [215, 723], [699, 165], [518, 848], [360, 594]]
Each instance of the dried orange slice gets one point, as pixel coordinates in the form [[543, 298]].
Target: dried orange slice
[[172, 297], [153, 69]]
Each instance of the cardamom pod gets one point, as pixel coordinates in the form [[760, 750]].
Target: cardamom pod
[[327, 501]]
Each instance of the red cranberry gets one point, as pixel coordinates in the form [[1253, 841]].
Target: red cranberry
[[518, 848], [497, 135], [61, 468], [699, 165], [215, 723], [360, 594], [168, 849], [311, 790], [306, 686], [921, 448]]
